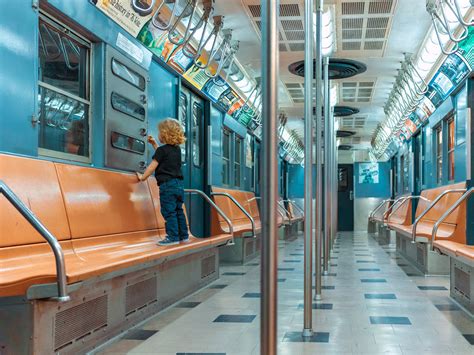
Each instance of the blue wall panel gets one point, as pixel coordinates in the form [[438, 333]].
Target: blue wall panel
[[162, 99], [216, 147], [382, 189], [19, 77]]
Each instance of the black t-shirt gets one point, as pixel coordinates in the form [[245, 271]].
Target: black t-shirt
[[169, 163]]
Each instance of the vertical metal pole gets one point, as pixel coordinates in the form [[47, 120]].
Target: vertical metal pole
[[268, 303], [318, 68], [327, 168], [336, 185], [333, 186], [308, 169]]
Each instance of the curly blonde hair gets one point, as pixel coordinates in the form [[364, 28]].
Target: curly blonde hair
[[171, 132]]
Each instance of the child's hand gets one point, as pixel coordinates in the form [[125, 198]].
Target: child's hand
[[139, 176], [151, 140]]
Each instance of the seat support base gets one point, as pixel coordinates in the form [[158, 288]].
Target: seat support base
[[242, 251], [103, 309], [462, 285], [421, 256]]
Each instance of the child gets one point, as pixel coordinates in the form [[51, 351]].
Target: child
[[166, 164]]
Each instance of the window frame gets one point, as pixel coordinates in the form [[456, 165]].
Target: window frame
[[61, 27]]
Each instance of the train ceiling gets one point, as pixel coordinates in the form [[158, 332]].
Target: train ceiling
[[375, 32]]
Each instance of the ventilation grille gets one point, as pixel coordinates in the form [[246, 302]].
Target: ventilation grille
[[290, 27], [80, 321], [296, 92], [140, 295], [462, 282], [258, 243], [357, 91], [208, 266], [404, 245], [420, 256], [364, 24], [398, 243]]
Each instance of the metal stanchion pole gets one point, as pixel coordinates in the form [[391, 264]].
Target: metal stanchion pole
[[268, 304], [327, 168], [308, 168], [318, 69]]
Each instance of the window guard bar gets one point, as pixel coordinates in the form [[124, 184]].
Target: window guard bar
[[408, 198], [460, 200], [395, 203], [244, 211], [379, 206], [436, 200], [43, 231], [218, 210]]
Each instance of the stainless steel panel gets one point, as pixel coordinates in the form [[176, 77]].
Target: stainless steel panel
[[126, 80]]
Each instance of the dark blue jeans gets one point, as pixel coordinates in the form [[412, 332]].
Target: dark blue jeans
[[171, 201]]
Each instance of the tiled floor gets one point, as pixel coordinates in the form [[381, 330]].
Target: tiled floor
[[373, 303]]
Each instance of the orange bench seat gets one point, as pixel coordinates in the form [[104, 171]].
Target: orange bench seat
[[452, 228], [105, 221], [456, 250]]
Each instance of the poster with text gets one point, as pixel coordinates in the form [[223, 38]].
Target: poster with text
[[130, 18], [368, 173]]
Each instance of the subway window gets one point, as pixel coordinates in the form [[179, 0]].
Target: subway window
[[439, 154], [225, 157], [237, 161], [63, 92], [451, 130]]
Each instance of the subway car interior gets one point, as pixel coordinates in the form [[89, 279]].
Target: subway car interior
[[325, 177]]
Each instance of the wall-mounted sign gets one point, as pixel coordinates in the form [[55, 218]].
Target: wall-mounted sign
[[122, 12], [368, 173]]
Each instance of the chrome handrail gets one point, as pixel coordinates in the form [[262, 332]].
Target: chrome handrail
[[291, 202], [46, 234], [460, 200], [372, 214], [436, 200], [408, 198], [218, 210], [395, 203], [244, 211]]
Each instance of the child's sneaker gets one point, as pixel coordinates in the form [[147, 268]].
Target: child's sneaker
[[184, 240], [167, 241]]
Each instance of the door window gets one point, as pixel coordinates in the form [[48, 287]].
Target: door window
[[225, 157], [183, 113], [196, 130], [439, 154], [237, 161], [451, 130]]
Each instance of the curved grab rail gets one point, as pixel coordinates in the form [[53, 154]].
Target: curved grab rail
[[460, 200], [41, 229], [408, 198], [436, 200], [218, 210], [372, 214], [244, 211], [293, 203], [395, 203], [143, 11]]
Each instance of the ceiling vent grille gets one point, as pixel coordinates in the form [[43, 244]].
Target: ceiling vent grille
[[290, 27], [357, 91], [296, 92], [364, 25], [380, 6]]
